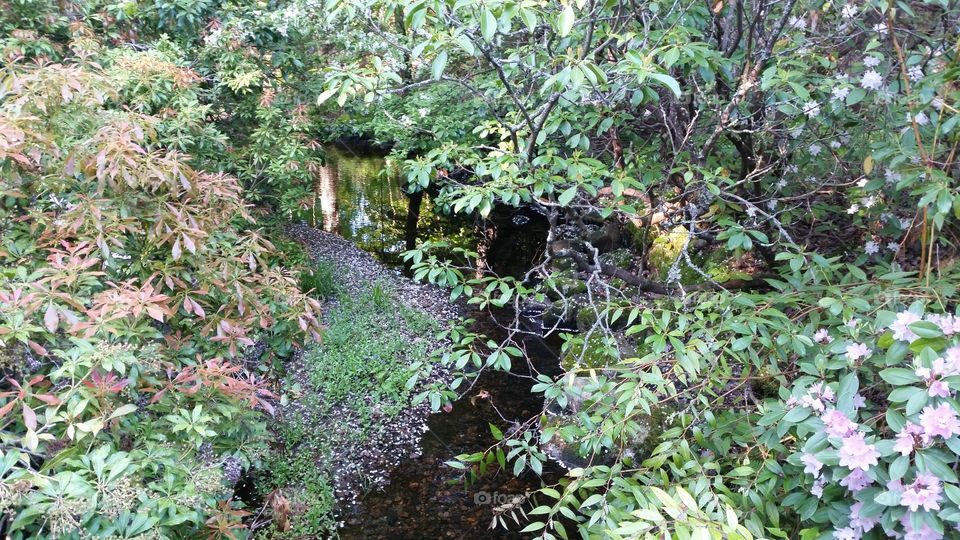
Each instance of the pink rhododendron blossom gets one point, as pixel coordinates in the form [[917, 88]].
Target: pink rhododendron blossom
[[938, 388], [939, 421], [923, 533], [811, 465], [856, 351], [908, 439], [822, 337], [924, 493], [838, 425], [813, 403], [817, 489], [949, 324], [858, 522], [846, 533], [899, 327], [952, 359], [855, 453], [856, 481]]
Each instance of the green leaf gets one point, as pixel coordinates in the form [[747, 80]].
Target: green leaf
[[438, 64], [567, 196], [667, 81], [899, 376], [567, 18], [488, 24]]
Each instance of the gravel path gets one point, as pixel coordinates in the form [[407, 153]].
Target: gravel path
[[360, 468]]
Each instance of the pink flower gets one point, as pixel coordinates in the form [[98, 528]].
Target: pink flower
[[858, 401], [856, 481], [949, 324], [855, 453], [817, 488], [811, 464], [862, 524], [846, 533], [813, 403], [822, 336], [923, 492], [952, 358], [923, 533], [938, 388], [856, 351], [908, 439], [899, 327], [838, 425], [939, 421]]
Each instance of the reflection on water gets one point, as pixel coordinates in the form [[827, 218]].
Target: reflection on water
[[355, 197]]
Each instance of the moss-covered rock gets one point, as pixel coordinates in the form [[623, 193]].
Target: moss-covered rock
[[562, 433], [596, 352], [621, 258], [665, 249], [563, 284]]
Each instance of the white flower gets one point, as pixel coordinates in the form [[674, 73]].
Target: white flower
[[423, 111], [814, 149], [782, 183], [871, 247], [871, 80], [937, 103], [854, 208], [792, 168], [868, 202], [871, 61], [920, 118], [905, 223], [891, 176], [772, 204], [752, 211], [893, 246], [796, 132], [797, 23], [849, 11], [405, 121], [841, 76], [811, 109], [880, 27], [861, 182], [835, 145], [915, 73], [840, 93]]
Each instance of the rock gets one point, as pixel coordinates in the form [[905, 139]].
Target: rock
[[621, 258], [665, 250], [563, 284]]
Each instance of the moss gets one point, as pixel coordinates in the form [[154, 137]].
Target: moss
[[596, 352], [664, 251], [621, 258], [718, 265], [564, 284]]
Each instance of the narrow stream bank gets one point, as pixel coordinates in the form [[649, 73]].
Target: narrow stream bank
[[424, 497]]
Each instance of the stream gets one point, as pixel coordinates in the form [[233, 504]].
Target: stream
[[356, 199]]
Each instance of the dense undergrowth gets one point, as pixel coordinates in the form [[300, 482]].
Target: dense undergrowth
[[751, 212]]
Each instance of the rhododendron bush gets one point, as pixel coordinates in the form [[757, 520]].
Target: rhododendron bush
[[139, 306], [876, 426]]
